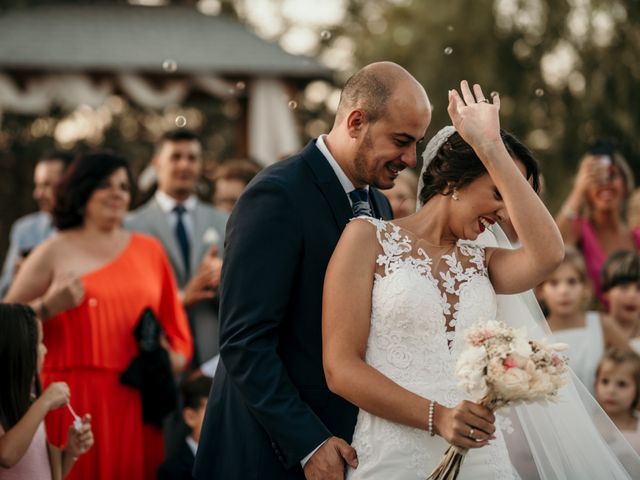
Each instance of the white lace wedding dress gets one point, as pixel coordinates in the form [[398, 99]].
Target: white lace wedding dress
[[422, 301]]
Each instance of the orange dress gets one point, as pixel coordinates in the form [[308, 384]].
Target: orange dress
[[92, 344]]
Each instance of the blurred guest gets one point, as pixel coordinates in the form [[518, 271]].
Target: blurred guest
[[89, 284], [402, 196], [566, 294], [31, 230], [195, 394], [621, 289], [591, 217], [191, 232], [230, 180], [24, 450], [633, 209], [618, 392]]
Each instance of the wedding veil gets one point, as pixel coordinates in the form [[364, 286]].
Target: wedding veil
[[572, 438]]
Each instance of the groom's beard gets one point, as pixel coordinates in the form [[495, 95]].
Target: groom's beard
[[360, 164]]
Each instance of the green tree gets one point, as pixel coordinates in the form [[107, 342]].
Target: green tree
[[566, 71]]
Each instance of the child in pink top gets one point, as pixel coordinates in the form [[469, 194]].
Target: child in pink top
[[24, 451]]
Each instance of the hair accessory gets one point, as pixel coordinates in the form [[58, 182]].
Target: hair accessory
[[432, 407], [430, 153]]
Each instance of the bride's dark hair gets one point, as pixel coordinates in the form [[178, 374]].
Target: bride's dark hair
[[456, 165]]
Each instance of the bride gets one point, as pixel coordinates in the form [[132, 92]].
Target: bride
[[399, 295]]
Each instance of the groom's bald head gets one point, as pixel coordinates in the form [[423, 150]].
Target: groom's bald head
[[370, 89]]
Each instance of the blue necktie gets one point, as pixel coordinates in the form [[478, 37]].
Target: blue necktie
[[183, 239], [360, 199]]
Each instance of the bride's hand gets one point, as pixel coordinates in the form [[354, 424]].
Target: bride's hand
[[475, 118], [467, 425]]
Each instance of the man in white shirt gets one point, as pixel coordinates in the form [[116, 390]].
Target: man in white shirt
[[31, 230], [191, 232]]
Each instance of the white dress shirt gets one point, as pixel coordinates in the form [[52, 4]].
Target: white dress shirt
[[347, 184], [167, 205], [193, 445]]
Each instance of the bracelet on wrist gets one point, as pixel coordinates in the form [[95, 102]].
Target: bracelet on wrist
[[432, 407]]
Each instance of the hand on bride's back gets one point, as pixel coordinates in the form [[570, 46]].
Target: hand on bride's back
[[328, 462], [467, 425]]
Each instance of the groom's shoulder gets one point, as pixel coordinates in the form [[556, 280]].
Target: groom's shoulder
[[291, 173]]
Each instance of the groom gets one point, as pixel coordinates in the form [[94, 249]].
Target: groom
[[270, 414]]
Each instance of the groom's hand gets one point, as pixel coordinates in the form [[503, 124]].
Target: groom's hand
[[328, 462]]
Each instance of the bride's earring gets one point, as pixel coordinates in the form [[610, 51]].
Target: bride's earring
[[454, 195]]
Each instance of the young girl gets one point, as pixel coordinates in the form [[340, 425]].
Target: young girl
[[621, 287], [24, 451], [618, 391], [566, 294]]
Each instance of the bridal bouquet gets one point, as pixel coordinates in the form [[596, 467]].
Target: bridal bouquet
[[500, 366]]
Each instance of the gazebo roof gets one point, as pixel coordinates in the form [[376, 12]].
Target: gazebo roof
[[123, 38]]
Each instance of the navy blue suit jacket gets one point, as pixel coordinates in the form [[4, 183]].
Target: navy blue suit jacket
[[270, 405]]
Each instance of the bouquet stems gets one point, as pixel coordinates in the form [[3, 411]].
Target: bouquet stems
[[449, 466]]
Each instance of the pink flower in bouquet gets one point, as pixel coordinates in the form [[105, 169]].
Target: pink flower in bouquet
[[501, 366], [514, 360]]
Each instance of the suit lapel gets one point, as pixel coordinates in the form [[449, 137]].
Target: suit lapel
[[199, 228], [329, 184], [158, 221]]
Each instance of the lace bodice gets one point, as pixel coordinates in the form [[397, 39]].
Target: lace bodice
[[423, 299]]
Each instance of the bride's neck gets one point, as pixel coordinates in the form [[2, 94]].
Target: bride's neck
[[430, 223]]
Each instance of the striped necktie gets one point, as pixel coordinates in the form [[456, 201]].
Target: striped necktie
[[360, 199]]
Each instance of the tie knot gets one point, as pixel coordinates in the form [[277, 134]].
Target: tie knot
[[179, 209], [360, 199], [359, 195]]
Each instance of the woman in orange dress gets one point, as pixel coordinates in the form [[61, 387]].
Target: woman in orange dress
[[89, 284]]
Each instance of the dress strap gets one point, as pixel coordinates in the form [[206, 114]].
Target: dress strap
[[394, 243]]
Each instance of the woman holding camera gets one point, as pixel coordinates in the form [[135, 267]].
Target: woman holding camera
[[591, 217]]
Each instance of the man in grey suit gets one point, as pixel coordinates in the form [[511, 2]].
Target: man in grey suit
[[191, 231]]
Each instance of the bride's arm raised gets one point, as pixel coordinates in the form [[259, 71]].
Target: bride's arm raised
[[346, 316], [511, 271]]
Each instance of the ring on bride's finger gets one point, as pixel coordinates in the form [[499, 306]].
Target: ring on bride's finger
[[484, 100], [471, 432]]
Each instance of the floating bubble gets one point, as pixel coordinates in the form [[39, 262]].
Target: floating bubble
[[450, 28], [240, 86], [539, 92], [292, 104], [448, 51], [181, 121], [170, 66], [325, 35]]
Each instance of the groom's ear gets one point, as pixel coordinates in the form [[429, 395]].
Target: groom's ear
[[356, 120]]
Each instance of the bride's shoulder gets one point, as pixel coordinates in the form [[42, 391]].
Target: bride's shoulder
[[365, 229]]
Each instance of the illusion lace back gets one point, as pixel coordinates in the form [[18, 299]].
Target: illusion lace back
[[423, 299]]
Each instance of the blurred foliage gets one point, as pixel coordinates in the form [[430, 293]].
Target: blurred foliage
[[588, 88]]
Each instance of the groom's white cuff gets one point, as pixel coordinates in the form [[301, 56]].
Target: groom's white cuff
[[304, 461]]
